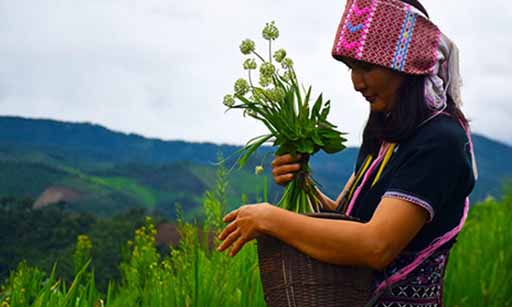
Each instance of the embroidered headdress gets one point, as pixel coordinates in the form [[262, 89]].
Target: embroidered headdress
[[389, 33], [396, 35]]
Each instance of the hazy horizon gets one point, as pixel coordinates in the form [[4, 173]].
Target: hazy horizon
[[181, 140]]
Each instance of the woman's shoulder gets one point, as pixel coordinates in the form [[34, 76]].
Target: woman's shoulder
[[443, 143], [443, 130]]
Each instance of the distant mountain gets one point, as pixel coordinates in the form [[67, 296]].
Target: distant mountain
[[103, 171], [91, 142]]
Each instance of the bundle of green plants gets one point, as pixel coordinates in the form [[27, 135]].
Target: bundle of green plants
[[296, 123]]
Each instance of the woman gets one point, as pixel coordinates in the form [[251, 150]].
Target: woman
[[415, 167]]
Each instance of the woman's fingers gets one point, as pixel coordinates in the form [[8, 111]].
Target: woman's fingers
[[230, 216], [285, 169], [283, 174], [237, 246], [227, 230], [229, 240], [283, 179], [285, 159]]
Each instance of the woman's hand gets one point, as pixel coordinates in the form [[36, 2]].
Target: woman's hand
[[246, 224], [284, 168]]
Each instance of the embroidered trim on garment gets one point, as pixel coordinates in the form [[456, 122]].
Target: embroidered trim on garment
[[424, 286], [413, 199]]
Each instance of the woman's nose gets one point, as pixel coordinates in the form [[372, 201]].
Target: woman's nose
[[358, 81]]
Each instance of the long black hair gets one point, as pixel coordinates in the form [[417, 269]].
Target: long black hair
[[409, 111]]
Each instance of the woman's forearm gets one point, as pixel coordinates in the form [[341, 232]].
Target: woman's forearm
[[332, 241], [327, 202]]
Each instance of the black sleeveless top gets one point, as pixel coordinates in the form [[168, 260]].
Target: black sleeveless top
[[433, 170]]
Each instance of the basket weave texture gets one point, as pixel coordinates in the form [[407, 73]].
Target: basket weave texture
[[293, 279]]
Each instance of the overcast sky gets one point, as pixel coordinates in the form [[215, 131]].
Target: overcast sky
[[160, 68]]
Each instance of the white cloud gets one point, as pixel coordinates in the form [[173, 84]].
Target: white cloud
[[160, 68]]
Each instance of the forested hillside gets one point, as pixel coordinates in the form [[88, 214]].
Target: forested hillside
[[104, 172]]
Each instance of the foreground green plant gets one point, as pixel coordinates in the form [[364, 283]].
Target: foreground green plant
[[82, 252], [296, 124], [479, 267], [193, 274], [28, 286]]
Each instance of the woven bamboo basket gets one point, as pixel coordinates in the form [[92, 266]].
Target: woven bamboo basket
[[293, 279]]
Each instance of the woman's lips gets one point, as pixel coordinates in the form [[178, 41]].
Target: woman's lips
[[370, 99]]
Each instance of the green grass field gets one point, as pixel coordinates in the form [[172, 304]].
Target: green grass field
[[193, 274]]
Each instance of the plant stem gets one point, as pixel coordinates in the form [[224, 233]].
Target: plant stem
[[250, 80], [270, 50], [259, 56], [299, 195]]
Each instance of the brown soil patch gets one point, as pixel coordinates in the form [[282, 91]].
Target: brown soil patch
[[55, 194]]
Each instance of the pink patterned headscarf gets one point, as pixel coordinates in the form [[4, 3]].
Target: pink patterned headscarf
[[396, 35], [389, 33]]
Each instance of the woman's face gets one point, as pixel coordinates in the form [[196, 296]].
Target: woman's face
[[378, 85]]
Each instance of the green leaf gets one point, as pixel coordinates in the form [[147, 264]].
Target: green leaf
[[305, 146], [307, 95], [333, 147], [296, 90], [328, 124], [316, 107], [279, 82], [325, 111], [244, 100], [287, 148], [278, 141], [318, 140], [250, 149]]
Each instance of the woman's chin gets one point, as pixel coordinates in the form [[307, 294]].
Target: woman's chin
[[375, 107]]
